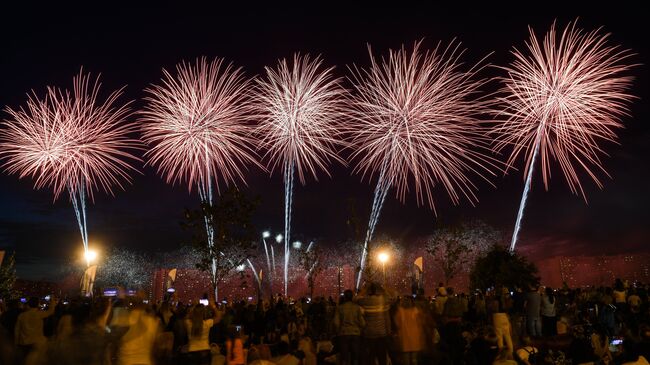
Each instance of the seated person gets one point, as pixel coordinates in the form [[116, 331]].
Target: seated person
[[525, 353]]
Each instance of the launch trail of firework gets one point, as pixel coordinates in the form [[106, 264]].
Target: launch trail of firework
[[78, 199], [381, 190], [257, 277], [205, 194], [529, 178], [288, 197]]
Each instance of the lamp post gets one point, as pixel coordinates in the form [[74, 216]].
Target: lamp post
[[383, 258], [265, 235]]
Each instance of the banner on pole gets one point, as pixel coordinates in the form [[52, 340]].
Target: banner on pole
[[88, 280]]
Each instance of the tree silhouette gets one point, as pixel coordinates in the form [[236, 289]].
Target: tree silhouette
[[500, 268], [234, 235]]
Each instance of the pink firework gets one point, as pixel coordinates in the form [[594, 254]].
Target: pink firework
[[560, 101], [70, 140], [415, 123], [197, 123], [565, 95], [300, 107]]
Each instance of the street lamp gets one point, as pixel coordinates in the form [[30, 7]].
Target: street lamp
[[90, 256], [383, 258]]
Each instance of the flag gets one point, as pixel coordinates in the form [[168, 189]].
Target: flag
[[418, 268], [2, 256], [171, 277], [418, 263], [88, 280]]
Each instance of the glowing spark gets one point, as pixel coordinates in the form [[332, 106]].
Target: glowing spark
[[561, 99]]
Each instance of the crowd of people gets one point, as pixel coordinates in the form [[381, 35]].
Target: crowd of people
[[606, 325]]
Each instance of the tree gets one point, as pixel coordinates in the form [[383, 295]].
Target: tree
[[234, 235], [7, 276], [499, 268], [454, 249], [311, 260]]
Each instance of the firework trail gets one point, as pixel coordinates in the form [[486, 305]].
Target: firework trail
[[70, 140], [197, 125], [265, 235], [273, 259], [414, 119], [257, 277], [300, 106], [561, 98]]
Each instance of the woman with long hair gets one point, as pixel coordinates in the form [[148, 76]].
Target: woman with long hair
[[198, 325]]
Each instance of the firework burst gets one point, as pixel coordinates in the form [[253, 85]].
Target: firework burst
[[197, 124], [415, 124], [70, 140], [562, 97], [300, 107]]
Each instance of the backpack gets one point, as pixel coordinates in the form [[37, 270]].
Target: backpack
[[533, 357]]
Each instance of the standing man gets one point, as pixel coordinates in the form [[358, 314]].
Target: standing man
[[29, 334], [533, 305], [349, 322], [377, 329]]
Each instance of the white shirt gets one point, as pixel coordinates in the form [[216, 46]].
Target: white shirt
[[199, 343], [136, 346], [29, 326], [548, 308]]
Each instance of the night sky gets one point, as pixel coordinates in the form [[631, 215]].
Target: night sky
[[130, 46]]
